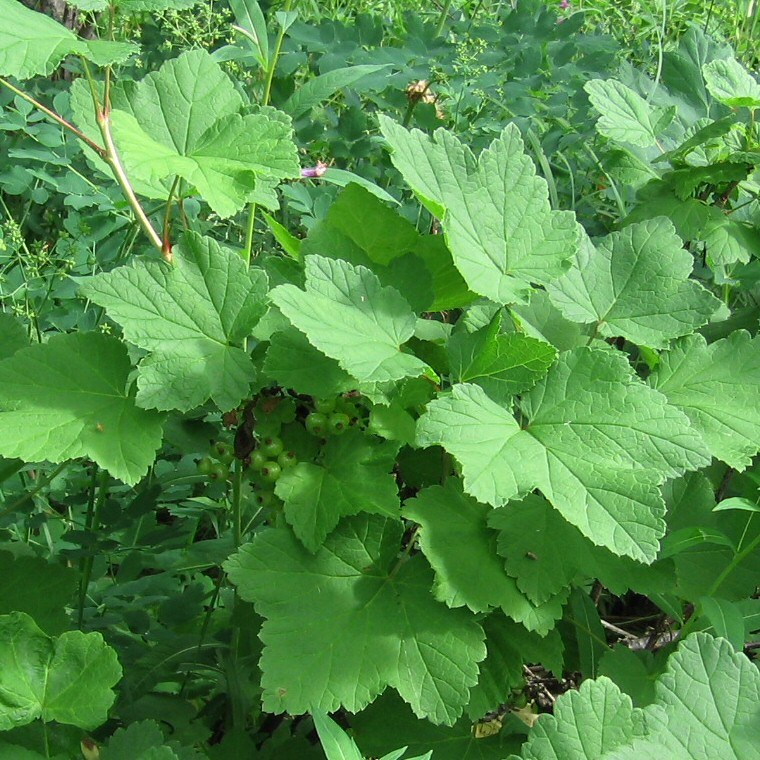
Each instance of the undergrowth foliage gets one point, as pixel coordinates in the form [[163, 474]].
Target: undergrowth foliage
[[439, 449]]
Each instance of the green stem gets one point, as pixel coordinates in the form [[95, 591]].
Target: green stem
[[273, 59], [166, 243], [45, 740], [41, 483], [92, 521], [265, 102], [442, 18], [249, 233], [237, 503], [55, 117]]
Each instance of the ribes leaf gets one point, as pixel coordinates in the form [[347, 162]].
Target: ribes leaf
[[189, 315], [69, 398], [730, 83], [495, 211], [13, 335], [624, 116], [461, 549], [596, 441], [32, 43], [206, 141], [510, 646], [53, 589], [312, 92], [503, 365], [586, 724], [389, 722], [346, 622], [717, 387], [67, 679], [347, 314], [706, 706], [635, 284], [353, 476], [294, 363], [540, 547]]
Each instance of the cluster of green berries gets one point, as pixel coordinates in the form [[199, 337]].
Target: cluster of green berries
[[331, 417], [216, 465], [270, 459]]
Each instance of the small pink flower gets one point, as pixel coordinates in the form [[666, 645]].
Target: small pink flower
[[315, 171], [564, 5]]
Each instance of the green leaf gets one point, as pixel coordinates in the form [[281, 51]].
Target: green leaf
[[322, 87], [495, 211], [53, 590], [13, 335], [348, 315], [633, 672], [294, 363], [717, 387], [68, 398], [730, 83], [142, 740], [624, 116], [707, 706], [389, 722], [728, 240], [32, 43], [635, 284], [67, 679], [589, 633], [737, 502], [680, 540], [224, 154], [353, 476], [384, 248], [462, 550], [189, 315], [596, 441], [249, 17], [371, 225], [503, 365], [393, 423], [178, 103], [690, 503], [542, 551], [336, 743], [510, 646], [346, 622], [586, 724], [725, 618]]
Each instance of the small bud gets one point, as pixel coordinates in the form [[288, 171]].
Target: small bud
[[314, 171]]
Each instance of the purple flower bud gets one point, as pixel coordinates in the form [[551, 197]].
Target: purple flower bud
[[314, 171]]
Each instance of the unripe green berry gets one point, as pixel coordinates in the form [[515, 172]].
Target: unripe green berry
[[316, 424], [270, 472], [338, 423]]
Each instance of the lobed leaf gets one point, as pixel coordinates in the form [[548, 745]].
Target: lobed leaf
[[717, 387], [495, 211], [346, 622], [462, 550], [189, 315], [635, 284], [67, 680], [34, 44], [78, 405], [596, 441], [348, 315]]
